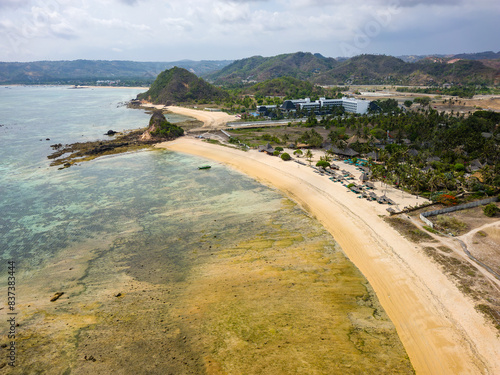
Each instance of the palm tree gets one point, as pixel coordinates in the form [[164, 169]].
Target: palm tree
[[309, 156], [298, 153]]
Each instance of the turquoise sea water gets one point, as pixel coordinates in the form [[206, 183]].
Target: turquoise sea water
[[44, 210]]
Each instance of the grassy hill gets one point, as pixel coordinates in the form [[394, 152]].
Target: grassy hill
[[362, 69], [177, 85], [257, 68]]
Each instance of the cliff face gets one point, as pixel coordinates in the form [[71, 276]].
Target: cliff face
[[160, 129], [177, 86]]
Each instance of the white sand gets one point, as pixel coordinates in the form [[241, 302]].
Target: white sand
[[438, 325], [211, 120]]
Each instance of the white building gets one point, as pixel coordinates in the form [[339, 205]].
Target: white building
[[349, 104], [355, 105], [328, 103]]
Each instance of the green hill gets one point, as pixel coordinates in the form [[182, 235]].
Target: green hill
[[177, 85], [362, 69], [257, 68]]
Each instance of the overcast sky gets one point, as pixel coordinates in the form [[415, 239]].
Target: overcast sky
[[159, 30]]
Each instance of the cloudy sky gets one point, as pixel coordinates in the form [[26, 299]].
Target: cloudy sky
[[169, 30]]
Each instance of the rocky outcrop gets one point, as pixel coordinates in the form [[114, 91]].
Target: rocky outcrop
[[160, 129]]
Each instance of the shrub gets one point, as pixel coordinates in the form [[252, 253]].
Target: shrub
[[285, 156], [298, 152], [490, 210], [322, 164], [279, 148], [276, 153], [450, 223], [448, 200]]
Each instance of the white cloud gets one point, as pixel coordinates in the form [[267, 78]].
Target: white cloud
[[213, 29]]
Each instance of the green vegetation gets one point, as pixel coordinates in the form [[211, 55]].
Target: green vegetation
[[159, 127], [177, 85], [362, 69], [311, 138], [289, 88], [304, 66], [490, 210], [429, 229], [423, 101], [388, 105], [286, 156], [322, 164]]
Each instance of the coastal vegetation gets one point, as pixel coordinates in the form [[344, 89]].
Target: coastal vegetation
[[436, 154]]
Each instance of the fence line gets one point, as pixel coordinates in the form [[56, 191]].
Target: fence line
[[425, 215]]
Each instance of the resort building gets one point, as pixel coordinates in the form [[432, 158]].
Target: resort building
[[307, 105], [349, 104], [355, 105], [265, 109]]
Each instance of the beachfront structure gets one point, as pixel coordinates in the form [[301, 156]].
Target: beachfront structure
[[349, 104]]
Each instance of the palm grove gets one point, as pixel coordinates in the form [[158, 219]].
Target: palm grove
[[422, 150]]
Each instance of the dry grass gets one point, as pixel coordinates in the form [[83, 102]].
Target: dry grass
[[470, 281], [450, 224], [408, 230]]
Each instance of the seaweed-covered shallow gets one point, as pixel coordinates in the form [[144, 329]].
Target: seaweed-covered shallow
[[265, 291]]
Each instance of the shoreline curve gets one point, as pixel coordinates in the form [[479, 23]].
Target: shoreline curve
[[438, 326]]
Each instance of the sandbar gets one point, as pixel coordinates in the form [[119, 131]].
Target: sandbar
[[438, 326]]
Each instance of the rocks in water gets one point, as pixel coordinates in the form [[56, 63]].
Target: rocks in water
[[111, 132], [56, 146], [56, 296], [101, 148]]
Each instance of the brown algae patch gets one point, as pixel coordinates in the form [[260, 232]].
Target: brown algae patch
[[287, 302], [272, 296]]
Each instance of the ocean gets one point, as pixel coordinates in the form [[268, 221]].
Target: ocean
[[165, 268]]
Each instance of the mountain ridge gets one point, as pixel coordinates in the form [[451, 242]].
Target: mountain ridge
[[464, 68], [361, 69], [63, 71]]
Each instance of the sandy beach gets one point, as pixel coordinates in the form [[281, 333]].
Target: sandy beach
[[438, 326], [212, 120]]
